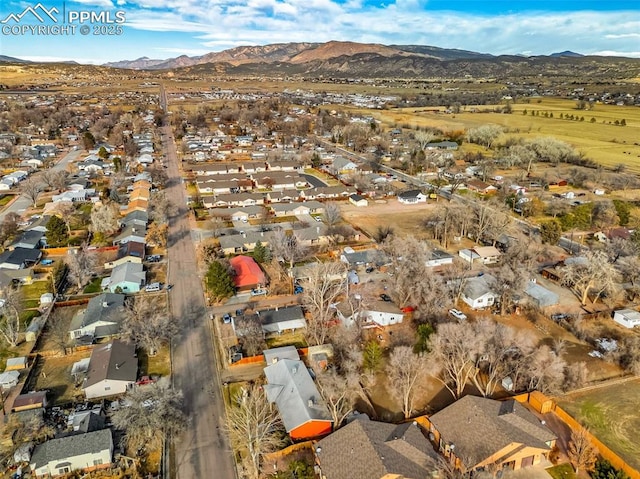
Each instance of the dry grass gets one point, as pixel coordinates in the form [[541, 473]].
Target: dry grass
[[54, 374]]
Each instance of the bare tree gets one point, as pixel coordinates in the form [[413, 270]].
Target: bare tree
[[59, 180], [10, 315], [48, 177], [58, 329], [249, 331], [338, 391], [152, 414], [287, 246], [147, 323], [104, 218], [484, 135], [254, 428], [332, 214], [323, 287], [594, 274], [31, 189], [453, 353], [424, 138], [582, 453], [81, 265], [405, 372], [543, 371], [65, 210], [161, 207]]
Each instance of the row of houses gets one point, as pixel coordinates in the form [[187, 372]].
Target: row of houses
[[238, 182], [281, 196]]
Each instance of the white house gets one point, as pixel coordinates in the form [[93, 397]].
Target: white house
[[411, 197], [79, 452], [113, 368], [477, 292], [439, 258], [358, 200], [628, 318], [381, 313]]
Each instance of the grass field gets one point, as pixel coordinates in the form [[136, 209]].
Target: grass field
[[611, 414], [601, 141], [562, 471]]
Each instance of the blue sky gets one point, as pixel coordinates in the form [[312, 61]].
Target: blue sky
[[168, 28]]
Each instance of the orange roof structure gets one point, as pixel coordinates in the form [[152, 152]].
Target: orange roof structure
[[248, 273]]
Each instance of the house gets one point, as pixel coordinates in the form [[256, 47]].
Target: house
[[375, 450], [100, 319], [84, 452], [329, 192], [248, 274], [481, 187], [342, 166], [131, 233], [127, 277], [236, 199], [439, 258], [139, 204], [474, 433], [113, 368], [628, 318], [478, 292], [30, 239], [411, 197], [19, 258], [301, 408], [282, 319], [138, 218], [273, 355], [364, 257], [31, 400], [442, 145], [297, 209], [284, 196], [16, 364], [541, 296], [612, 234], [358, 200], [128, 252], [381, 313], [484, 254]]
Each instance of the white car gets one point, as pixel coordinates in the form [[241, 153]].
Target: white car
[[458, 314], [152, 287]]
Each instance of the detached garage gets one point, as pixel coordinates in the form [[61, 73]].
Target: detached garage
[[541, 296]]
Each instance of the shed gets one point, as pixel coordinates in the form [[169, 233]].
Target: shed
[[9, 379], [33, 331], [628, 318], [541, 296], [46, 298], [16, 364]]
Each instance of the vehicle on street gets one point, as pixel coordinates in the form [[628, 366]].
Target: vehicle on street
[[169, 287], [152, 287], [318, 219], [385, 297], [456, 313]]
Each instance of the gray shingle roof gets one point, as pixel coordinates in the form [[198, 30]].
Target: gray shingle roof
[[290, 386], [105, 307], [70, 446], [372, 450], [115, 360], [289, 313], [480, 427]]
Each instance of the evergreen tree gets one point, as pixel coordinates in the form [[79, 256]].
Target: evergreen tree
[[57, 234], [550, 231], [219, 282], [261, 253]]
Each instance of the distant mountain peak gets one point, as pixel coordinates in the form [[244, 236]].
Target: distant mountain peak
[[566, 53]]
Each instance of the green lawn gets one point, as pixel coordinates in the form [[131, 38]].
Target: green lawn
[[93, 286], [5, 200], [611, 414], [158, 365], [36, 289], [562, 471]]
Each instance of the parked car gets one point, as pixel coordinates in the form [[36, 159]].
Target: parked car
[[258, 292], [152, 287], [318, 219], [298, 289], [226, 318], [46, 262], [169, 287], [385, 297], [456, 313], [370, 269]]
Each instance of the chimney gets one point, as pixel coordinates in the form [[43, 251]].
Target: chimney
[[117, 366], [105, 304], [244, 235], [261, 233], [310, 402]]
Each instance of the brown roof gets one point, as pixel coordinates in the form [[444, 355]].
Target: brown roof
[[35, 399], [131, 248], [115, 360], [480, 427], [372, 450]]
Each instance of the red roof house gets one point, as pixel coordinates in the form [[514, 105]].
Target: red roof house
[[248, 274]]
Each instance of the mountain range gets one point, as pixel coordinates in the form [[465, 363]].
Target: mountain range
[[301, 53]]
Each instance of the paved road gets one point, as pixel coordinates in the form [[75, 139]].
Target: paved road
[[313, 180], [203, 449], [22, 203]]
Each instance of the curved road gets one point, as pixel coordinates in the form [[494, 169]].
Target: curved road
[[203, 449]]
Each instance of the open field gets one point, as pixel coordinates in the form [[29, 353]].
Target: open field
[[404, 219], [611, 414], [601, 141]]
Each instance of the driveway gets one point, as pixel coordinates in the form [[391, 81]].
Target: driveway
[[313, 180], [203, 450]]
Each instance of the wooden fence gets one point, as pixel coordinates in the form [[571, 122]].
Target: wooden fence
[[543, 404], [299, 446]]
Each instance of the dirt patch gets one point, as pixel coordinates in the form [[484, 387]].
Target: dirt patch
[[54, 374], [404, 219]]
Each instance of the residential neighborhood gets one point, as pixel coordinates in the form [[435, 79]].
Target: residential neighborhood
[[194, 275]]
